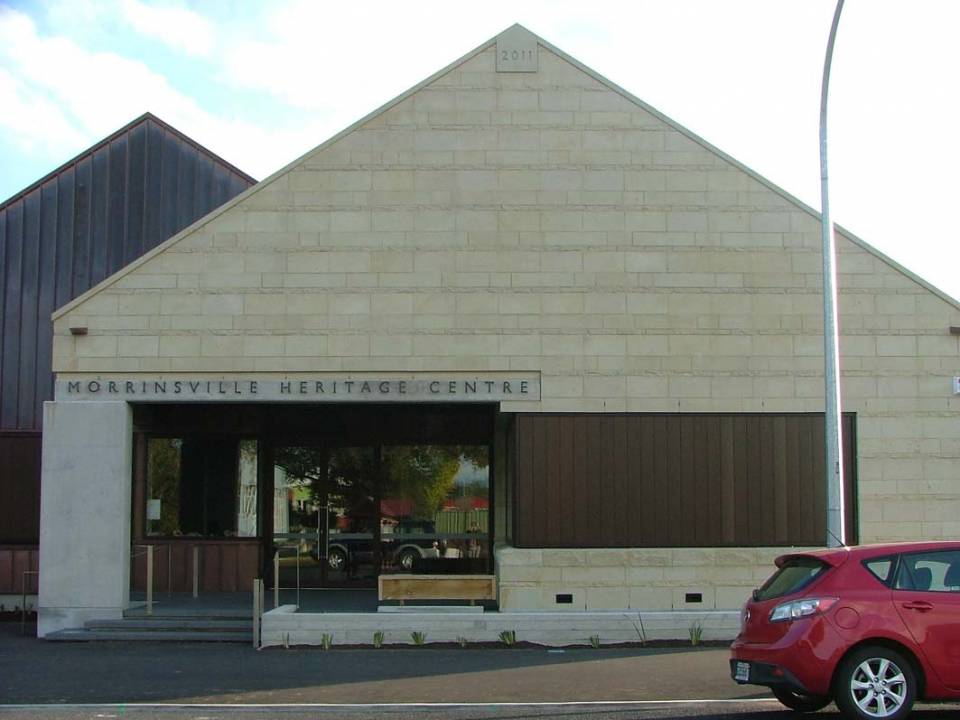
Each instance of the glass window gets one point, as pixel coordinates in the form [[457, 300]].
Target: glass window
[[794, 575], [880, 568], [930, 572], [201, 487], [435, 507]]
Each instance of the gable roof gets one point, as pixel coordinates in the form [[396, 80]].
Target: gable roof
[[146, 117], [456, 63]]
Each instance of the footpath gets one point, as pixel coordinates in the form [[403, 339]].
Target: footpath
[[36, 672]]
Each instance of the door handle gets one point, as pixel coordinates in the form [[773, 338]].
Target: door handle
[[919, 605]]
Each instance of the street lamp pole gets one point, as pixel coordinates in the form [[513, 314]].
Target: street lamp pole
[[836, 517]]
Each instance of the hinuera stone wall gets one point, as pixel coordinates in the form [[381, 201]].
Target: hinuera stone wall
[[631, 578]]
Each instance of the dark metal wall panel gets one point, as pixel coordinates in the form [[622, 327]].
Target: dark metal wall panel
[[10, 365], [169, 161], [153, 208], [132, 247], [80, 275], [99, 215], [694, 480], [118, 186], [19, 489], [80, 225]]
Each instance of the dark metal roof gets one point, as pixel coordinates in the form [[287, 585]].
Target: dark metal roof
[[147, 116], [80, 224]]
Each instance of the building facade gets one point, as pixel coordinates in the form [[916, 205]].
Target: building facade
[[516, 319]]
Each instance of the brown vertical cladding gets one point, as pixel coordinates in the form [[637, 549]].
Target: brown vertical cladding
[[18, 567], [675, 480], [19, 489], [222, 566]]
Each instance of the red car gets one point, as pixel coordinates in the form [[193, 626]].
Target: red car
[[873, 628]]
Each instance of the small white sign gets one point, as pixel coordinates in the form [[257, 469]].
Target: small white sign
[[153, 509], [956, 386]]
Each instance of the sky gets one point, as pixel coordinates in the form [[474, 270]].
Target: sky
[[262, 83]]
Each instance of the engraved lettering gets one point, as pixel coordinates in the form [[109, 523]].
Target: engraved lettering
[[160, 387], [470, 387], [365, 388], [349, 384], [285, 388], [253, 387], [177, 387], [402, 387], [385, 387], [523, 387], [93, 386], [112, 387], [303, 387], [73, 386], [318, 388], [435, 387], [194, 386], [506, 388], [452, 387], [489, 384], [129, 386]]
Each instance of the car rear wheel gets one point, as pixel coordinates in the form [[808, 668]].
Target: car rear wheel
[[408, 559], [875, 682], [800, 702], [337, 559]]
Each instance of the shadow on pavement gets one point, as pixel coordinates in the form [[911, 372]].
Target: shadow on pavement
[[35, 671]]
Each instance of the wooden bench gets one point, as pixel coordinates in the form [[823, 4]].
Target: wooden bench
[[437, 587]]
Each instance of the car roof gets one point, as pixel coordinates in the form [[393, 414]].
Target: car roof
[[836, 556]]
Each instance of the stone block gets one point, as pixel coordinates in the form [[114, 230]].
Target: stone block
[[600, 598]]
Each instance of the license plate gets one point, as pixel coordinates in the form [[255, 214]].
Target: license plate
[[742, 673]]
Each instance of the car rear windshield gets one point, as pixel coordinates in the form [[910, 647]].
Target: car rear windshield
[[794, 575]]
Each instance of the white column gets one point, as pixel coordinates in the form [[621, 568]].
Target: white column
[[84, 513]]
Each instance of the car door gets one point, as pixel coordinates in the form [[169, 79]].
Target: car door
[[926, 595]]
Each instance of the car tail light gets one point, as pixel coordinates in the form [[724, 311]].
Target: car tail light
[[787, 612]]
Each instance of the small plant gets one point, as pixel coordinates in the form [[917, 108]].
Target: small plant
[[378, 639], [595, 641], [462, 641], [419, 638], [326, 640], [696, 633], [508, 637]]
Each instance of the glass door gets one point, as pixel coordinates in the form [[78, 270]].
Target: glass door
[[325, 519]]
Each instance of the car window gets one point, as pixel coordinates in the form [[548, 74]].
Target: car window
[[794, 575], [930, 572], [880, 568]]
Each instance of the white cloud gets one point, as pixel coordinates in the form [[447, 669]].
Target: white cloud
[[178, 27], [59, 98], [34, 122]]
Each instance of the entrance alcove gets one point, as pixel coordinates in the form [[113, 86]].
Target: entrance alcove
[[334, 494]]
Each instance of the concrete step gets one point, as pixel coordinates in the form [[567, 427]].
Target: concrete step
[[167, 623], [135, 635]]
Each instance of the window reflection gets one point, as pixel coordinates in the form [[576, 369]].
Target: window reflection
[[344, 515], [201, 487], [435, 508]]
